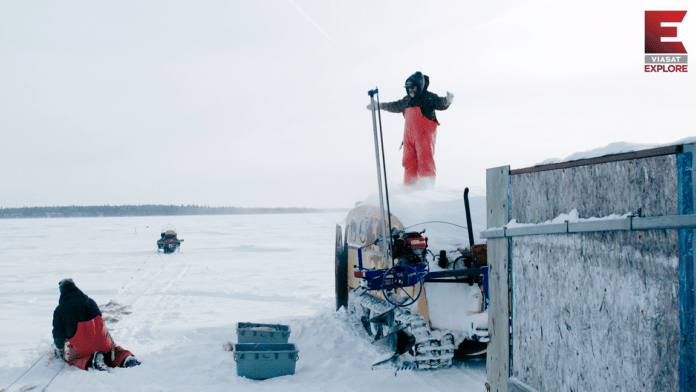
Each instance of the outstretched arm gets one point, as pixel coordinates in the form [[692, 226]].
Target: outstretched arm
[[442, 103], [393, 107]]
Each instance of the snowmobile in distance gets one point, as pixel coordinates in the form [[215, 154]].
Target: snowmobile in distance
[[168, 243]]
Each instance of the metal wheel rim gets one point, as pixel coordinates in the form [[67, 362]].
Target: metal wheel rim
[[411, 299]]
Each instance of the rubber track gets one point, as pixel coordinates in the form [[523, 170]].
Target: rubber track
[[429, 351]]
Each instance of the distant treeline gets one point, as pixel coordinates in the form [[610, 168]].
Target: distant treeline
[[142, 210]]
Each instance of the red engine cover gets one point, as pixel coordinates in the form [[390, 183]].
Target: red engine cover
[[416, 243]]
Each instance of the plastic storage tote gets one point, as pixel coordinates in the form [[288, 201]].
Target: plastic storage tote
[[259, 361], [262, 333]]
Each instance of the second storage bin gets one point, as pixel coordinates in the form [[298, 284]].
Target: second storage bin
[[262, 333]]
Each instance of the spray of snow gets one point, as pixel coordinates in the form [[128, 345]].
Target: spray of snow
[[439, 211]]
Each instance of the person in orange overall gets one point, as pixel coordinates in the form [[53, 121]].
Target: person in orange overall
[[80, 335], [420, 130]]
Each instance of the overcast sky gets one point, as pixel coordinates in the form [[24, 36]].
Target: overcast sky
[[262, 103]]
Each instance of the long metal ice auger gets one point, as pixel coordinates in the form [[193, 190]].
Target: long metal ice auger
[[386, 187], [388, 244]]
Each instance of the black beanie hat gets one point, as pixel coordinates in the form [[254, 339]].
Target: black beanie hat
[[65, 282]]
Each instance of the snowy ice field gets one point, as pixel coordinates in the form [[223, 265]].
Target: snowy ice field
[[185, 306]]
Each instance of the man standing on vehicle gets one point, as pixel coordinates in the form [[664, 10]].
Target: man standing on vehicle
[[420, 130]]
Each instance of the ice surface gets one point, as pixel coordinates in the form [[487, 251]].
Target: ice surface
[[185, 306]]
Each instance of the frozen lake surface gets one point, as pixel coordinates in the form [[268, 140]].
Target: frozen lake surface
[[185, 306]]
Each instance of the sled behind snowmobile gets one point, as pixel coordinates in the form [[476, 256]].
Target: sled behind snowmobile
[[168, 243]]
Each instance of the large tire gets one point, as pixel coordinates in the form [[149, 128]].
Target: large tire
[[341, 271]]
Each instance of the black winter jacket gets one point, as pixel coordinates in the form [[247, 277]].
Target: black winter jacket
[[73, 307], [427, 101]]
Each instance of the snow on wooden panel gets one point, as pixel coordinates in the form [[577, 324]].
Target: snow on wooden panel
[[596, 311], [597, 190]]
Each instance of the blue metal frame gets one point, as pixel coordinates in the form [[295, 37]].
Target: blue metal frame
[[374, 277], [486, 297], [687, 348]]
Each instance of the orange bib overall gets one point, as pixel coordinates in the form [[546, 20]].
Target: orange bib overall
[[419, 146], [92, 336]]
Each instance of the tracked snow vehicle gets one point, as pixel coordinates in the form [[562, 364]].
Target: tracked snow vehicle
[[425, 307], [168, 243]]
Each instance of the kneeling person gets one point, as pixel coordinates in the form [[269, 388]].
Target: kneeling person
[[80, 335]]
